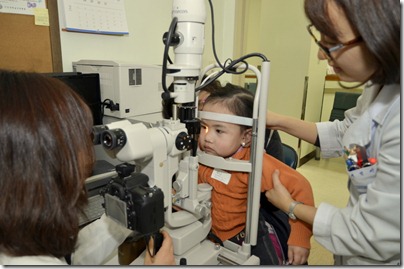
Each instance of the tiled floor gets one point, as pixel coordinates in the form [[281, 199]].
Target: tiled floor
[[329, 182]]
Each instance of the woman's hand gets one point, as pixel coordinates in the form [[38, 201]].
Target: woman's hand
[[279, 195], [165, 255]]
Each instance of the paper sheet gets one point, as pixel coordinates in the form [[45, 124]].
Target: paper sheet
[[24, 7]]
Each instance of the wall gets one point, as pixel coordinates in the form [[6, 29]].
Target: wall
[[314, 99], [277, 28], [147, 22]]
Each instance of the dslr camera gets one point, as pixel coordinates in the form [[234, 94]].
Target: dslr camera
[[130, 201]]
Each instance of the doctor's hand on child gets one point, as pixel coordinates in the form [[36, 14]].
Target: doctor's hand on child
[[279, 195]]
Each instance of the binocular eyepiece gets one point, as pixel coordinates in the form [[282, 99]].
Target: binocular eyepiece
[[110, 139]]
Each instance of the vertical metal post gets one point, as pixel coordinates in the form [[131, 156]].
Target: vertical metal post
[[257, 152]]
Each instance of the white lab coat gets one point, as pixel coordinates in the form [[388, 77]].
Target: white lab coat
[[367, 231], [95, 242]]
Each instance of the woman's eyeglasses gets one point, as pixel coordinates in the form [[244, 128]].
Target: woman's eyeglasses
[[328, 51]]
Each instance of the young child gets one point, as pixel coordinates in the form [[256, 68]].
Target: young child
[[229, 197]]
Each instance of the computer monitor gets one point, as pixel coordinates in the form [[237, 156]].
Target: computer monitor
[[88, 87]]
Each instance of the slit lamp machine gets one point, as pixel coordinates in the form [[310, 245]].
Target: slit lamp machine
[[146, 197]]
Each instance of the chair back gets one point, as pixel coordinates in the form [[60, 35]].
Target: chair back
[[342, 102], [289, 156]]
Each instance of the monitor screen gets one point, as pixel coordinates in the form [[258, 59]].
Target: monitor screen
[[88, 86]]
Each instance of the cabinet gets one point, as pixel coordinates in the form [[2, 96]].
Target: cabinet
[[277, 29]]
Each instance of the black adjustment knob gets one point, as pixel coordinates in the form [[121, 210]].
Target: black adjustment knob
[[174, 41], [124, 169], [183, 141], [183, 261]]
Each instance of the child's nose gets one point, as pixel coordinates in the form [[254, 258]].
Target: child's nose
[[208, 135]]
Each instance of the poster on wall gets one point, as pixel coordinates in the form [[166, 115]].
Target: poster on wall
[[24, 7], [97, 17]]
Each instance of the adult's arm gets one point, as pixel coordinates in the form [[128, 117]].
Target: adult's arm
[[301, 129], [281, 198]]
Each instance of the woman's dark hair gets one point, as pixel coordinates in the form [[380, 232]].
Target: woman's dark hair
[[237, 99], [46, 154], [378, 22]]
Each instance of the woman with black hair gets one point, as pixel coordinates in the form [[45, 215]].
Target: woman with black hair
[[360, 39]]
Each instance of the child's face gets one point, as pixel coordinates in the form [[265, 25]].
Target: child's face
[[220, 138]]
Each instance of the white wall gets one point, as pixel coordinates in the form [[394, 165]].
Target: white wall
[[147, 22], [277, 29], [316, 81]]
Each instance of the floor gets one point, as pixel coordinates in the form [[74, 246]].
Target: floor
[[329, 182]]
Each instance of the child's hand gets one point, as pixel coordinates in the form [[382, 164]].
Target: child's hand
[[298, 255]]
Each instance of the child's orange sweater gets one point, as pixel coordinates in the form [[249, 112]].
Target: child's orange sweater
[[229, 200]]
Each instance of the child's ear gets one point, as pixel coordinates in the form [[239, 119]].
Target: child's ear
[[247, 136]]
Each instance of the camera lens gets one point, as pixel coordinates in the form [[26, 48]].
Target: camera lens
[[113, 139]]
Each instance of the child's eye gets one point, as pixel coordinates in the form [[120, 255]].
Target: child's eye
[[204, 129], [219, 131]]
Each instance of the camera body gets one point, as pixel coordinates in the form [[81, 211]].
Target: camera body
[[129, 200]]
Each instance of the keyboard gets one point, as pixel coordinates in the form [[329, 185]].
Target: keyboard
[[103, 171], [93, 210]]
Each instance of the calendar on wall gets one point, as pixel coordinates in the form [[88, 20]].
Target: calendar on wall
[[95, 16]]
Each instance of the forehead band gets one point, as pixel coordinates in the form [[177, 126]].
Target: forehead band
[[225, 118]]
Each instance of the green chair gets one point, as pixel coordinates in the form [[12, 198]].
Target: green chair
[[342, 102], [290, 156]]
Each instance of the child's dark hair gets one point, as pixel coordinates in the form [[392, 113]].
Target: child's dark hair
[[167, 104], [237, 99]]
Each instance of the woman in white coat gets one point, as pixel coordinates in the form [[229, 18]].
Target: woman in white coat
[[361, 40]]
